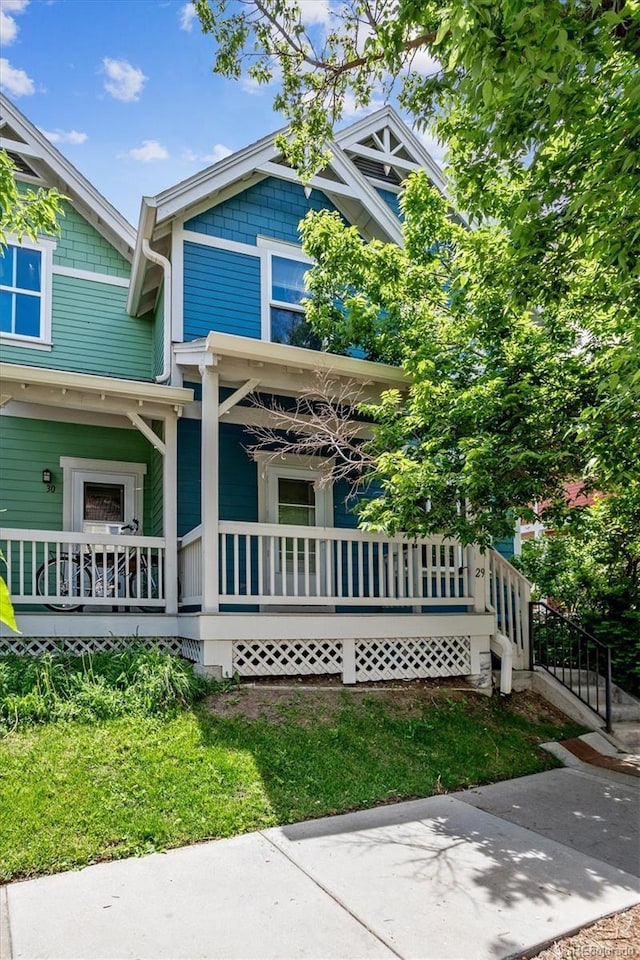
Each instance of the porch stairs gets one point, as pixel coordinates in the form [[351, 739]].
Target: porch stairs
[[582, 666], [625, 714]]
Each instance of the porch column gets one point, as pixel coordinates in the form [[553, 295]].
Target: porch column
[[209, 489], [170, 512], [478, 565]]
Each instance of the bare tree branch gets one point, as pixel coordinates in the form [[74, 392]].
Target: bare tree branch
[[322, 422]]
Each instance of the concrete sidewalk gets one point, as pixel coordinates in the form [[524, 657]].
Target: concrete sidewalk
[[487, 873]]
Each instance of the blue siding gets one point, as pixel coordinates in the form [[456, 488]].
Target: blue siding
[[238, 476], [221, 292], [189, 462], [271, 208], [343, 506], [505, 547], [392, 201]]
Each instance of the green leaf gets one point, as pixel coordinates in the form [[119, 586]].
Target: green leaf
[[7, 614]]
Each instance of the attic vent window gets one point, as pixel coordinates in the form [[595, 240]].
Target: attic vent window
[[375, 170], [22, 166]]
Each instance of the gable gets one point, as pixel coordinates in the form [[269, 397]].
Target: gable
[[230, 200], [80, 246], [272, 208], [38, 162]]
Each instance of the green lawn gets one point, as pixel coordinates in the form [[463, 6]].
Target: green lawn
[[74, 793]]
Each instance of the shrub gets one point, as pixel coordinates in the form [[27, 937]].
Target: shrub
[[590, 569], [95, 686]]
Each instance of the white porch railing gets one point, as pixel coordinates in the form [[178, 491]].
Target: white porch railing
[[283, 565], [508, 595], [190, 567], [68, 570], [278, 565]]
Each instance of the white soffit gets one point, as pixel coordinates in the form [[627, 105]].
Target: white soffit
[[18, 379]]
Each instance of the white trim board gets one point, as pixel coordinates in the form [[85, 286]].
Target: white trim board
[[76, 625], [234, 246], [90, 275], [39, 411]]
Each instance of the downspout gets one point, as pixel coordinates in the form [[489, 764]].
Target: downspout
[[503, 648], [163, 262]]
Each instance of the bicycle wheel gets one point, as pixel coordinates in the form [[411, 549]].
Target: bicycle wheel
[[143, 586], [63, 578]]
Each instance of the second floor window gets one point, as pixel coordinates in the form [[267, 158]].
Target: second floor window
[[288, 322], [20, 291], [25, 276]]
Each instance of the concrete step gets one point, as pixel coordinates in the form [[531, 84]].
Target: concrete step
[[619, 711], [628, 736], [588, 684]]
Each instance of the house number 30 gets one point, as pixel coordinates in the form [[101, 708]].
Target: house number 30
[[51, 488]]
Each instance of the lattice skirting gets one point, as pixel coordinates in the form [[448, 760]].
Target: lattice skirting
[[412, 658], [192, 650], [385, 659], [36, 646], [281, 658]]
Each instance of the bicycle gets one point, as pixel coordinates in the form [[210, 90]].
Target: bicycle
[[121, 574]]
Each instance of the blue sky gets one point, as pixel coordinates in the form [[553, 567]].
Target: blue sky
[[126, 91]]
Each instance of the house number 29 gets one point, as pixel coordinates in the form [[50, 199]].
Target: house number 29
[[479, 571]]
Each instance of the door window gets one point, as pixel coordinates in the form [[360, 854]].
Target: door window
[[296, 502], [104, 502]]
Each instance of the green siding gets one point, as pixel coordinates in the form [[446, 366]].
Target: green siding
[[82, 247], [154, 484], [30, 446], [92, 333]]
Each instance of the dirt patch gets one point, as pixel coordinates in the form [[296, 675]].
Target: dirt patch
[[617, 937], [533, 707], [318, 702]]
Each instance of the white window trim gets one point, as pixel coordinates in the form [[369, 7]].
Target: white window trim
[[296, 467], [275, 248], [43, 342], [103, 471]]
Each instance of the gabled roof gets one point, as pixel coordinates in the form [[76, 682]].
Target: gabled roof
[[38, 160], [385, 145], [345, 181]]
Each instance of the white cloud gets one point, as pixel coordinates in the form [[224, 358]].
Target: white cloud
[[187, 16], [14, 81], [350, 110], [150, 150], [125, 82], [315, 11], [8, 26], [421, 62], [219, 152], [251, 86], [435, 148], [65, 136]]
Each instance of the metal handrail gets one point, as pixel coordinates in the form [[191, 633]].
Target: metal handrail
[[571, 655]]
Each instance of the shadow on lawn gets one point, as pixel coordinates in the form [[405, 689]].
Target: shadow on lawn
[[432, 848]]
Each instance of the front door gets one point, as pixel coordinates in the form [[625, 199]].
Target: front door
[[298, 498]]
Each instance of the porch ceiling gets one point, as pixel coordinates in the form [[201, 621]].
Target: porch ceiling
[[283, 368], [83, 391]]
